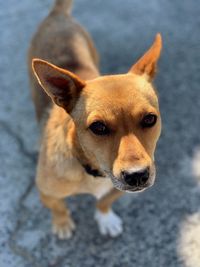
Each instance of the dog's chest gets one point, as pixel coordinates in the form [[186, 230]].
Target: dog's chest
[[98, 187], [73, 171]]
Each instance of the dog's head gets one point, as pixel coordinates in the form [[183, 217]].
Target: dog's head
[[117, 117]]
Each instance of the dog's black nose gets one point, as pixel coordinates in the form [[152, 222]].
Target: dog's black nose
[[138, 178]]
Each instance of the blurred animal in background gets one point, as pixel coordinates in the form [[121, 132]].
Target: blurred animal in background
[[99, 133]]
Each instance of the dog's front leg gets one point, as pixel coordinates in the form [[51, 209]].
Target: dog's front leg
[[109, 223], [62, 224]]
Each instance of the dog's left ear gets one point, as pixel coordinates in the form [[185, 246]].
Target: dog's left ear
[[147, 64], [61, 85]]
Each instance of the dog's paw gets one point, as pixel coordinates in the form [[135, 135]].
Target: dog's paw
[[64, 230], [109, 223]]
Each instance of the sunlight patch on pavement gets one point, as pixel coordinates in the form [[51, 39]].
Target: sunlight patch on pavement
[[189, 242]]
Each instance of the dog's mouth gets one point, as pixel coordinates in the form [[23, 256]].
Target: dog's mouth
[[122, 186]]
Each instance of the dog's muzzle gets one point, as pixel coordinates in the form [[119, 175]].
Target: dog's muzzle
[[134, 181]]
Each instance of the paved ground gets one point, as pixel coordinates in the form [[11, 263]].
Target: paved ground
[[162, 225]]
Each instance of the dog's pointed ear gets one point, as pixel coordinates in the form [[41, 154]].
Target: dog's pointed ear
[[61, 85], [147, 64]]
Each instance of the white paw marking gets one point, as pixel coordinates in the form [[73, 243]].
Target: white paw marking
[[109, 223], [64, 231]]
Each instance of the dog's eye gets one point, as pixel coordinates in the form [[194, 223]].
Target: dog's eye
[[99, 128], [149, 120]]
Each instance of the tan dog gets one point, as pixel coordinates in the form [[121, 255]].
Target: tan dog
[[101, 131]]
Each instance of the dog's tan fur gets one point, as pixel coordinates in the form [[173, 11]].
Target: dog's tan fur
[[81, 96]]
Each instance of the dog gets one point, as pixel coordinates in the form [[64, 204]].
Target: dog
[[99, 133]]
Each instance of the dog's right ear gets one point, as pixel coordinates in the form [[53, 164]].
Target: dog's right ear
[[147, 64], [61, 85]]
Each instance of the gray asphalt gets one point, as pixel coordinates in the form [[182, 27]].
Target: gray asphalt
[[161, 225]]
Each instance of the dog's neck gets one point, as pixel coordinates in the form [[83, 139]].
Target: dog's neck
[[91, 171], [61, 125], [84, 161]]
